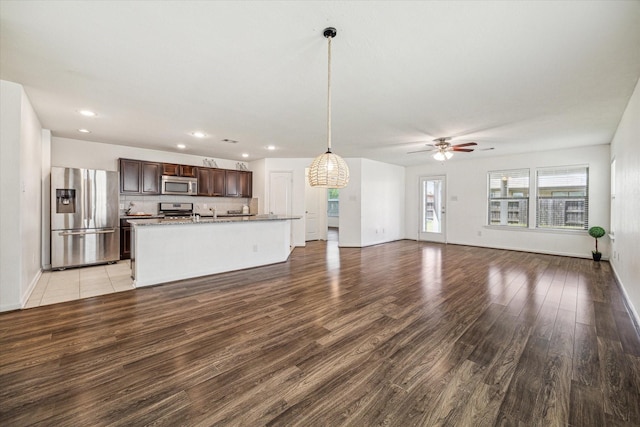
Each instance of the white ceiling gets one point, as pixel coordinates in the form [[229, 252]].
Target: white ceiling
[[517, 76]]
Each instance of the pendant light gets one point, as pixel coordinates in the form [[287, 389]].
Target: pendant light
[[329, 170]]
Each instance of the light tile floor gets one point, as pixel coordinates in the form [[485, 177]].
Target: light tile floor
[[75, 283]]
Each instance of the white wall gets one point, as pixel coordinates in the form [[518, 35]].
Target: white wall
[[20, 194], [10, 255], [350, 234], [372, 205], [467, 201], [625, 149], [46, 199], [383, 199], [73, 153]]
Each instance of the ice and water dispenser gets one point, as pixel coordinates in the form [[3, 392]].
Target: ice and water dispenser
[[65, 200]]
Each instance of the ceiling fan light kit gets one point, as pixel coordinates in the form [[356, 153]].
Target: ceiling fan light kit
[[441, 155], [445, 149], [329, 170]]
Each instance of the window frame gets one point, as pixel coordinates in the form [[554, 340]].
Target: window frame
[[562, 202], [333, 202], [502, 208]]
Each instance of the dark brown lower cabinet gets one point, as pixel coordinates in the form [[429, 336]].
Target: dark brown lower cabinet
[[125, 239]]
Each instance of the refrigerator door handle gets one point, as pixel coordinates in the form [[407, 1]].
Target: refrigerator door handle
[[81, 233], [89, 199]]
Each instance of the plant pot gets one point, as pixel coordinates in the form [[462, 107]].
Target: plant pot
[[596, 255]]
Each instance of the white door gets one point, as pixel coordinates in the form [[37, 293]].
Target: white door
[[432, 209], [280, 190], [315, 211]]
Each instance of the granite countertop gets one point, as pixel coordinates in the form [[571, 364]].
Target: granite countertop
[[226, 215], [150, 216], [209, 220]]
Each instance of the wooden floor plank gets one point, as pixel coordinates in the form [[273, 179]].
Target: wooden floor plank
[[629, 337], [527, 381], [586, 362], [586, 406], [617, 379], [605, 323], [405, 333]]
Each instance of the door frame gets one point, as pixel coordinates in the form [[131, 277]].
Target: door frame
[[430, 236], [320, 195], [289, 202]]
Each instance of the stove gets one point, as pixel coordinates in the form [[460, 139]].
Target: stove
[[175, 210]]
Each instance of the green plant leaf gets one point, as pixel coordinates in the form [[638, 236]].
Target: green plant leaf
[[596, 232]]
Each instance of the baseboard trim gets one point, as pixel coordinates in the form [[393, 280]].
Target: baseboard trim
[[509, 248], [627, 301], [32, 286]]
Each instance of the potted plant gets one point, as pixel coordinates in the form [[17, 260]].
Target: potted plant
[[596, 232]]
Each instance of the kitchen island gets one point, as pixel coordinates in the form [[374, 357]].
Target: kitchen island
[[164, 250]]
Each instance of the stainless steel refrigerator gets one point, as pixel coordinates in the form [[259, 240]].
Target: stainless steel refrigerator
[[84, 217]]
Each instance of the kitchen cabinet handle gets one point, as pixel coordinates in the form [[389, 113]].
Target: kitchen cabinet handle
[[82, 233]]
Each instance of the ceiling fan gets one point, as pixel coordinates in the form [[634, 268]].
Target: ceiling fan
[[445, 149]]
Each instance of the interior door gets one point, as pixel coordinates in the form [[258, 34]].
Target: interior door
[[280, 190], [315, 211], [433, 209]]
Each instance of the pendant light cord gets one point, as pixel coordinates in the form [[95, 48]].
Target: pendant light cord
[[329, 98]]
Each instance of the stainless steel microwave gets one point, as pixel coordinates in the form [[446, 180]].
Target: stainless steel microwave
[[179, 185]]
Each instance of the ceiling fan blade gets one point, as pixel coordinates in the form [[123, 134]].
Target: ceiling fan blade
[[421, 151], [465, 144], [464, 150], [486, 149]]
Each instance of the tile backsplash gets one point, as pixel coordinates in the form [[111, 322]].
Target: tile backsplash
[[201, 205]]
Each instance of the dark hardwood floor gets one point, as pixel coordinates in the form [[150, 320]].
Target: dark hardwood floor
[[400, 334]]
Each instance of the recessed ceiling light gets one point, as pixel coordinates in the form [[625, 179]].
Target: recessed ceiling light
[[198, 134], [245, 155], [271, 147], [84, 130], [181, 146], [87, 113]]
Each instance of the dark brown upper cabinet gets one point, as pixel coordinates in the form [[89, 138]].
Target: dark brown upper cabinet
[[245, 184], [139, 177], [231, 180], [219, 182], [173, 169], [239, 183], [211, 182], [142, 177]]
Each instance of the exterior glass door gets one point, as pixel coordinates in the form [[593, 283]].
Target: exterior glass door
[[432, 209]]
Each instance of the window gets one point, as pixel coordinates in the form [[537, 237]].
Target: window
[[333, 207], [563, 198], [509, 198]]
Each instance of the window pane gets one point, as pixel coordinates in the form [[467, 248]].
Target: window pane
[[432, 199], [563, 201], [509, 198], [333, 205]]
